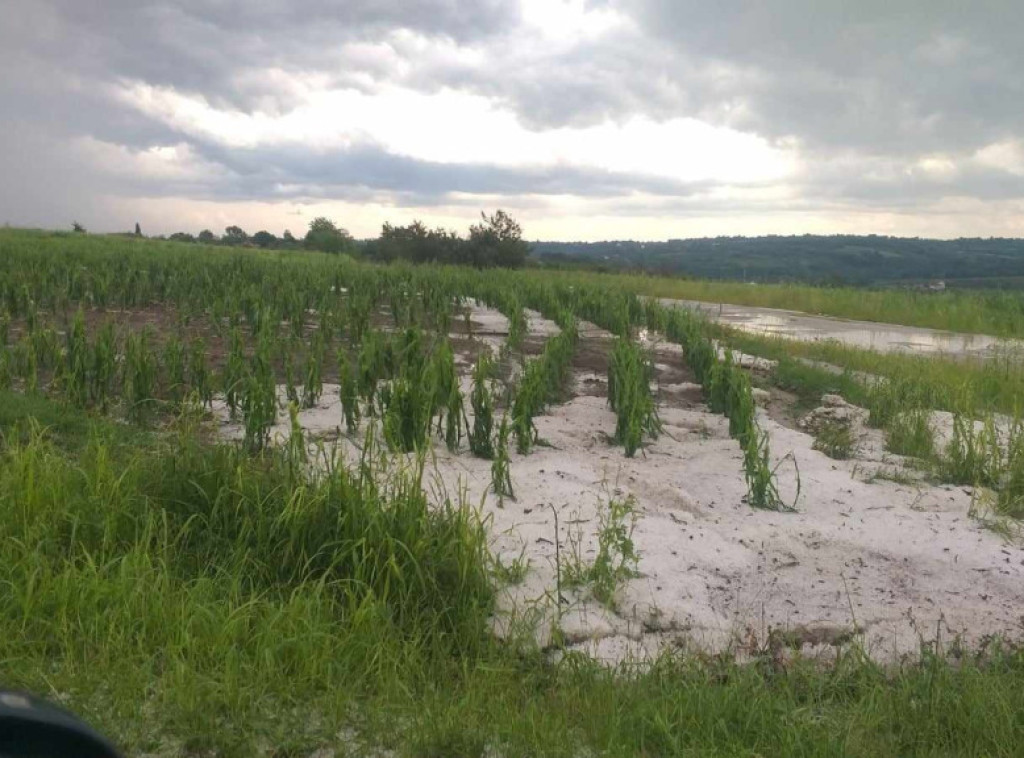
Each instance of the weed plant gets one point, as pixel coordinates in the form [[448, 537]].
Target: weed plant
[[835, 439], [973, 455], [910, 433], [617, 558]]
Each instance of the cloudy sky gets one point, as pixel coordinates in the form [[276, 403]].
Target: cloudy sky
[[587, 119]]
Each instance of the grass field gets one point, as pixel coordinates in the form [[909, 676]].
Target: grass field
[[982, 385], [281, 593], [997, 313]]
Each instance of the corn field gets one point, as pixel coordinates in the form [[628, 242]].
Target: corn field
[[138, 335]]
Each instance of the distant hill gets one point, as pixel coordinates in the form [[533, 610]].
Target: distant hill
[[840, 259]]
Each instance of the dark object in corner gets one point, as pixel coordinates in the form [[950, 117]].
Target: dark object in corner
[[30, 727]]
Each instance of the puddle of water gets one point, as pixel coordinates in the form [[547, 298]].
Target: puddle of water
[[862, 334]]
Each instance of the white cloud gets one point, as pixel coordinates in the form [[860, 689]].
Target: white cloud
[[938, 167], [177, 162], [567, 21], [1007, 155], [455, 127]]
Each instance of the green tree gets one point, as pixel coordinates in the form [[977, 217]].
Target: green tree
[[207, 237], [497, 241], [326, 236], [234, 235], [263, 238], [405, 242]]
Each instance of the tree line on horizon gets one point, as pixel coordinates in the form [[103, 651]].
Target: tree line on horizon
[[497, 241], [834, 259]]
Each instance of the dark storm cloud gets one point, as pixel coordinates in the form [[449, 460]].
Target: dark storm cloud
[[885, 77], [298, 172], [615, 76], [879, 75], [909, 190], [206, 47]]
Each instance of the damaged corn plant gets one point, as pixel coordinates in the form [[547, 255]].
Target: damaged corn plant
[[630, 373]]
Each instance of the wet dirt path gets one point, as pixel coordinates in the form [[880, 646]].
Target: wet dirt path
[[776, 322]]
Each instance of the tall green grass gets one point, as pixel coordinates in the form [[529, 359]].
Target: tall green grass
[[193, 577], [1000, 314], [994, 384]]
